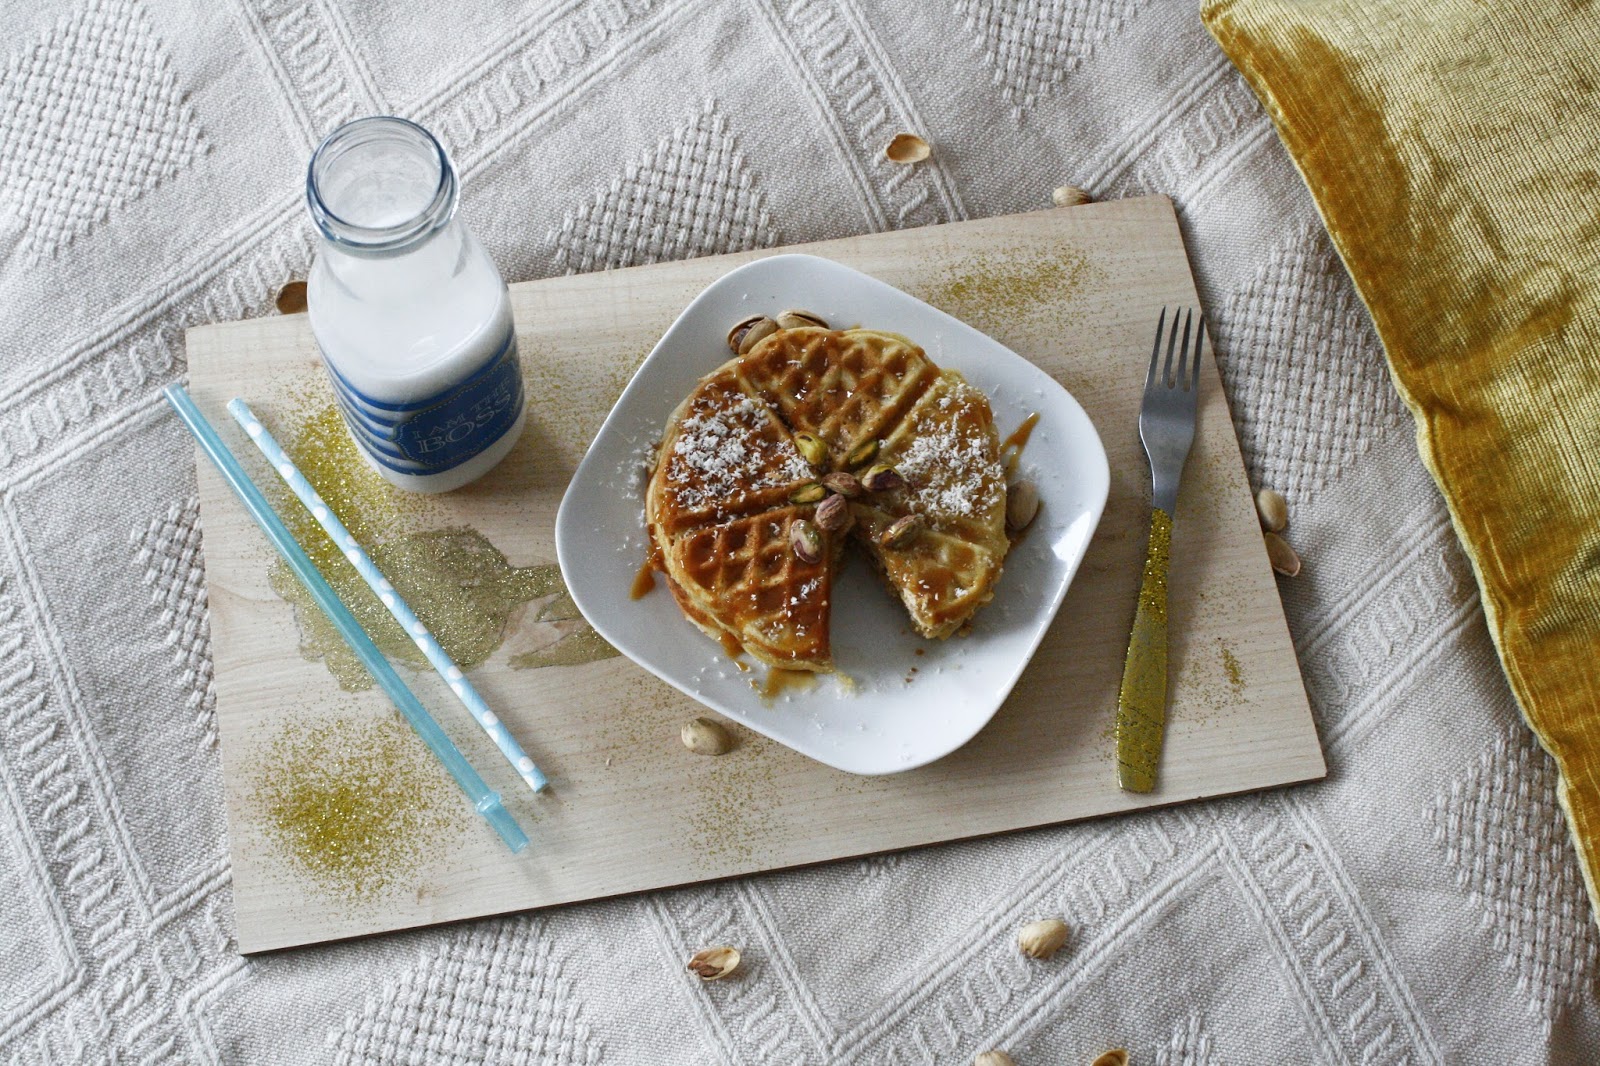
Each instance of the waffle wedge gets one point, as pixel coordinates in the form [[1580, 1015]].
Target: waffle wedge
[[948, 452], [725, 454], [743, 578], [843, 386]]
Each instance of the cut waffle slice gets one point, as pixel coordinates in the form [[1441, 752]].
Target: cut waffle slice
[[743, 578], [843, 386], [948, 452], [941, 578], [725, 455]]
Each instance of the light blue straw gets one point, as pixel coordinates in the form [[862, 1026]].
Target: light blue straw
[[426, 642], [485, 799]]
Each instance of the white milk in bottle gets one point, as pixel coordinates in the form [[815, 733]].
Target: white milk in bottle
[[412, 317]]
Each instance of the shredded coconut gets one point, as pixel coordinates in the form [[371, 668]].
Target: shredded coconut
[[951, 474], [723, 453]]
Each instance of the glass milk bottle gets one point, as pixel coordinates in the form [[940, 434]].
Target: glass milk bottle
[[412, 317]]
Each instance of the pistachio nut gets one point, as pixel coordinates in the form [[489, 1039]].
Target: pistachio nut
[[902, 531], [810, 492], [862, 453], [706, 737], [994, 1058], [811, 449], [1273, 509], [882, 478], [806, 540], [1283, 558], [832, 514], [750, 332], [1022, 504], [713, 964], [795, 319], [844, 484], [1115, 1057], [1043, 938]]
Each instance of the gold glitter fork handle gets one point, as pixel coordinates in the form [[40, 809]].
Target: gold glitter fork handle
[[1142, 701]]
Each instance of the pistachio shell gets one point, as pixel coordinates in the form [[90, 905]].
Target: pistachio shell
[[844, 484], [1283, 558], [1043, 938], [750, 332], [833, 514], [1273, 509], [706, 737], [713, 964], [797, 319], [1114, 1057], [1070, 196], [882, 478], [902, 531], [907, 148], [811, 449], [994, 1058]]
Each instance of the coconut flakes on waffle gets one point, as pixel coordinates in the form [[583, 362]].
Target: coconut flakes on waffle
[[950, 473], [714, 461]]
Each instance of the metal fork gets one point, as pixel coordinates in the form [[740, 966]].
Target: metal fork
[[1166, 426]]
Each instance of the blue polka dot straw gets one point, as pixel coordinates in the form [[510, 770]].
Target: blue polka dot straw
[[402, 612], [485, 799]]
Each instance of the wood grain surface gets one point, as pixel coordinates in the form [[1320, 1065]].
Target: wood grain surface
[[1075, 290]]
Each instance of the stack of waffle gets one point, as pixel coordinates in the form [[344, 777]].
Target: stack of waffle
[[744, 467]]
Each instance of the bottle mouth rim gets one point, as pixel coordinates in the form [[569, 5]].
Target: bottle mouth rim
[[377, 240]]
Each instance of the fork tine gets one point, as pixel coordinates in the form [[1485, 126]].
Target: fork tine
[[1172, 342], [1199, 342], [1180, 377], [1150, 378]]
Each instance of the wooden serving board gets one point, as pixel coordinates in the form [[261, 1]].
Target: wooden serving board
[[312, 770]]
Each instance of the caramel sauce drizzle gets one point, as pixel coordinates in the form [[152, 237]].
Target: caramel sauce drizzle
[[780, 681], [1011, 447], [643, 582], [1019, 436]]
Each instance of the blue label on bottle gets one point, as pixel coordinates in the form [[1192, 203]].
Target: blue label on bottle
[[443, 431]]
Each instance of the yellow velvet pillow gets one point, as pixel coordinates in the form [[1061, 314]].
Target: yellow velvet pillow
[[1453, 149]]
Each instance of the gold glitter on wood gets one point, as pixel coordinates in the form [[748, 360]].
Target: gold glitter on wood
[[314, 436], [460, 585], [1235, 672], [732, 811], [356, 807], [993, 290], [582, 645]]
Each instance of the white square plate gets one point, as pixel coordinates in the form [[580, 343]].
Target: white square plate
[[890, 717]]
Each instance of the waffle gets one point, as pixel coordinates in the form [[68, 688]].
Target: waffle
[[947, 450], [941, 578], [720, 504], [725, 455], [742, 578], [843, 386]]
